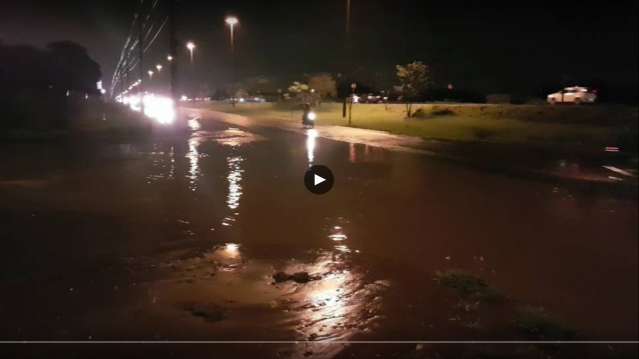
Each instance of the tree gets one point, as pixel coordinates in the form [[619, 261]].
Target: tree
[[297, 87], [303, 93], [72, 67], [260, 85], [324, 84], [413, 79]]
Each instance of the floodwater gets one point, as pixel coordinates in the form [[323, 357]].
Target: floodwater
[[179, 238]]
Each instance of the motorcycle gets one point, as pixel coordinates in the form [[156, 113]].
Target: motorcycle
[[308, 120]]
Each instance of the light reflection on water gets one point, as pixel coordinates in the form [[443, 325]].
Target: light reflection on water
[[228, 257], [235, 137], [194, 124], [193, 156], [234, 178], [337, 234], [311, 136], [172, 161], [162, 165], [234, 195], [339, 304]]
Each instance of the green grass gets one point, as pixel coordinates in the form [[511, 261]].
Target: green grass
[[585, 126]]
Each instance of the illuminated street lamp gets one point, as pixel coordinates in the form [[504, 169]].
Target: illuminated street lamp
[[190, 46], [231, 21], [150, 74], [159, 67], [169, 58]]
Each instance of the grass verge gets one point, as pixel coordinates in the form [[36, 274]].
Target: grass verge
[[585, 127]]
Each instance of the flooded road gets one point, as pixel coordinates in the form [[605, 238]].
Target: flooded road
[[213, 236]]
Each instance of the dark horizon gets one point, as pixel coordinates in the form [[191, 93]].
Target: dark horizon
[[499, 47]]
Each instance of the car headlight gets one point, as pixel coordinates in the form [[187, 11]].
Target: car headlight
[[312, 116]]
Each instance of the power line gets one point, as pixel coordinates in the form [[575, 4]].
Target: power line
[[156, 34], [129, 57]]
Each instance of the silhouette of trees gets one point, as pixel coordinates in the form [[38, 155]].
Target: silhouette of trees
[[61, 65], [35, 83]]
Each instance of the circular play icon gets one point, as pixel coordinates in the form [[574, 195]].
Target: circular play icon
[[318, 179]]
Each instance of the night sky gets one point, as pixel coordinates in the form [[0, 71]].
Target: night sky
[[480, 45]]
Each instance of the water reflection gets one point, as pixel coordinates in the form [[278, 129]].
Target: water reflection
[[352, 152], [235, 137], [162, 164], [311, 136], [234, 195], [228, 256], [336, 301], [339, 303], [194, 163], [172, 163], [337, 234], [194, 124], [361, 153], [337, 306]]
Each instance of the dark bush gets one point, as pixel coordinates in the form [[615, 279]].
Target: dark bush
[[436, 111]]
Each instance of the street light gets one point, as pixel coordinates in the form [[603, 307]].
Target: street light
[[150, 74], [231, 21], [169, 58], [159, 67], [190, 46]]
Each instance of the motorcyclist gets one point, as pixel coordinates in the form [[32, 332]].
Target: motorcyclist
[[306, 120]]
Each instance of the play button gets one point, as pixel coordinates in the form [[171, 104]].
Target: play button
[[318, 179]]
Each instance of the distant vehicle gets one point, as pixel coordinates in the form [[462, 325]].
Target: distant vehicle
[[575, 94], [235, 100], [373, 98], [254, 99]]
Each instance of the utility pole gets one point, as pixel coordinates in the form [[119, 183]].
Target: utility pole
[[173, 67], [347, 52], [347, 30], [231, 21], [140, 60]]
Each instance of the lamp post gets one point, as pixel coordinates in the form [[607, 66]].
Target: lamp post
[[231, 21], [158, 67], [190, 46]]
